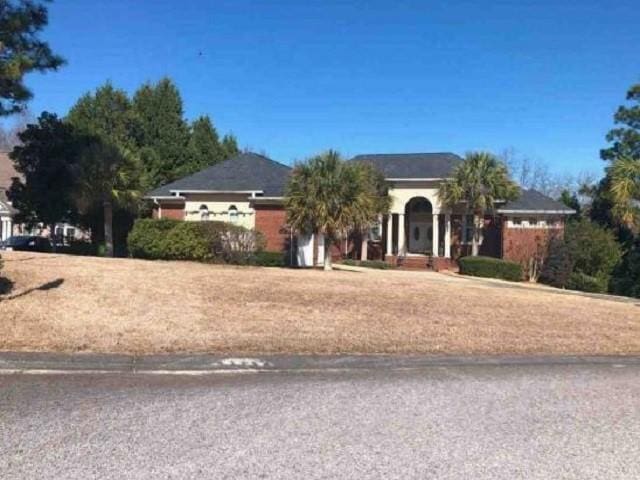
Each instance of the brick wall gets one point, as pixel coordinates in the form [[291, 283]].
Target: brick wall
[[271, 220], [171, 210], [520, 244]]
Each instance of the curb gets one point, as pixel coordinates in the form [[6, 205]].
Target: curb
[[203, 364]]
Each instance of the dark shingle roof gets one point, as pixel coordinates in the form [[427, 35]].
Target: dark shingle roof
[[533, 201], [246, 171], [412, 165]]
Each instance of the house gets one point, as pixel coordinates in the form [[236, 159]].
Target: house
[[7, 212], [64, 232], [418, 232]]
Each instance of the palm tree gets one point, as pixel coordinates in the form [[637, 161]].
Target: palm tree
[[329, 196], [111, 176], [478, 183], [624, 188]]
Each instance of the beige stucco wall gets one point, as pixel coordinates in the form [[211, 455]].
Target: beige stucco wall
[[218, 205], [401, 193]]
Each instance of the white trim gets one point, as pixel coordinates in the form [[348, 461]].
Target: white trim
[[252, 192], [414, 179], [172, 197], [540, 212]]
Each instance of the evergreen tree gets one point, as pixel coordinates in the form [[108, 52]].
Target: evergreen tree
[[109, 172], [204, 146], [230, 146], [46, 158], [165, 134], [22, 51], [625, 139]]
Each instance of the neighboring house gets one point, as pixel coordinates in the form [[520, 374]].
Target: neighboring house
[[7, 212], [64, 232], [418, 232]]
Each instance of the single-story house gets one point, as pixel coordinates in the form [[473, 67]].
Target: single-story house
[[418, 232]]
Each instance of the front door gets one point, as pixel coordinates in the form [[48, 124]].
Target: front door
[[420, 237]]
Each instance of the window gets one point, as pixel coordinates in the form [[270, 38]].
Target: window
[[71, 233], [204, 213], [233, 214], [532, 222], [517, 221]]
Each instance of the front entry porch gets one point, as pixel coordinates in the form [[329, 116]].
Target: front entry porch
[[418, 233]]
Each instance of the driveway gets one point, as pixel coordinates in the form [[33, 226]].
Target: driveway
[[538, 421]]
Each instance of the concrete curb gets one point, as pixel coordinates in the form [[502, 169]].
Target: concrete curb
[[50, 363]]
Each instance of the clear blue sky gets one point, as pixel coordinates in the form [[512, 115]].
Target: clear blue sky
[[293, 78]]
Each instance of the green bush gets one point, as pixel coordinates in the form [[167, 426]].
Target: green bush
[[594, 250], [167, 239], [271, 259], [557, 267], [377, 264], [491, 268], [587, 283]]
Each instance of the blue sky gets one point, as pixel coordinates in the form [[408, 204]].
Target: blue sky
[[293, 78]]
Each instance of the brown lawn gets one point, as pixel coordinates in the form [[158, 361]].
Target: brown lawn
[[64, 303]]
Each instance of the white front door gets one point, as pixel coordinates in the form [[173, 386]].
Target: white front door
[[420, 233]]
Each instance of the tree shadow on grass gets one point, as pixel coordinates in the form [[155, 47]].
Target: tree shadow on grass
[[6, 286], [43, 288]]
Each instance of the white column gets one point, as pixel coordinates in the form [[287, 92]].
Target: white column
[[389, 234], [436, 235], [447, 235], [402, 248]]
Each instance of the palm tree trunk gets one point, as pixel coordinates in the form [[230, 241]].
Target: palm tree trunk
[[327, 254], [108, 227], [475, 239], [364, 248]]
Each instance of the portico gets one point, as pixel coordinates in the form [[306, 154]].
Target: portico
[[417, 224]]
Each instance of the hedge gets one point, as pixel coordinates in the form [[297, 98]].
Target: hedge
[[491, 268], [587, 283], [377, 264], [167, 239]]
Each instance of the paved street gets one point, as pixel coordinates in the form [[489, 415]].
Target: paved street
[[445, 422]]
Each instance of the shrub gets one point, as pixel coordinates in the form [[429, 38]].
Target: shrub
[[271, 259], [490, 267], [586, 283], [201, 241], [594, 250], [377, 264], [584, 259], [148, 238], [232, 243], [558, 266]]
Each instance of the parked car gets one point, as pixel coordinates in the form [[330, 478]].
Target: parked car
[[27, 243]]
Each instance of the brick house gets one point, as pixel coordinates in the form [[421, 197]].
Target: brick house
[[418, 232]]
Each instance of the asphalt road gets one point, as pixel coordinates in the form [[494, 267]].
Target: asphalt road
[[453, 422]]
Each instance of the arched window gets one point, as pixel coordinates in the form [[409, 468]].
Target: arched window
[[233, 214], [204, 212]]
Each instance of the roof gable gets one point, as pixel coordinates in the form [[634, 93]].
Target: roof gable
[[244, 172], [412, 165]]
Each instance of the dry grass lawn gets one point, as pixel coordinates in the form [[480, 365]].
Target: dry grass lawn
[[64, 303]]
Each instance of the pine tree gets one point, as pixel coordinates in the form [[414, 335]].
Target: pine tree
[[164, 131], [230, 145], [204, 145], [22, 51]]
